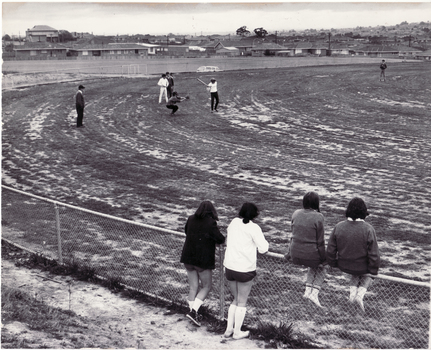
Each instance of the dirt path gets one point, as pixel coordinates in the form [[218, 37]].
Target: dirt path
[[108, 319]]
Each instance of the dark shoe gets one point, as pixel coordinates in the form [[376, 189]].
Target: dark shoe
[[216, 110], [194, 317]]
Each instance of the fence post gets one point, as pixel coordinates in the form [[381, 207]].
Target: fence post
[[57, 221], [222, 296]]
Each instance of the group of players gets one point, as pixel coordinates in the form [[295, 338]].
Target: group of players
[[166, 84]]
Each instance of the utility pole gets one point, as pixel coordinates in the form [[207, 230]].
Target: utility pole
[[329, 37]]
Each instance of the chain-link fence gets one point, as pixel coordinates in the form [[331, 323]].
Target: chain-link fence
[[51, 71], [65, 74], [397, 311]]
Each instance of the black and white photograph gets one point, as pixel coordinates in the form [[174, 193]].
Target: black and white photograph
[[216, 175]]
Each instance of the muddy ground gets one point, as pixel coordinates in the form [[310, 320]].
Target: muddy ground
[[279, 133]]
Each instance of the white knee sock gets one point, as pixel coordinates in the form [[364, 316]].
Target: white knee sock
[[190, 304], [360, 296], [197, 304], [239, 319], [230, 319], [314, 296], [353, 291]]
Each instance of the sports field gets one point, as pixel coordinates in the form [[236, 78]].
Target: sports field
[[279, 133]]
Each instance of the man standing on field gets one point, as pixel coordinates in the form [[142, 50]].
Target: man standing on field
[[171, 84], [163, 83], [383, 67], [80, 104]]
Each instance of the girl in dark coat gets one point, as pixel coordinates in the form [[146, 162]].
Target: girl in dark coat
[[353, 248], [198, 255]]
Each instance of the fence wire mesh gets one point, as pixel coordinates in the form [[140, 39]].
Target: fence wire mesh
[[397, 312]]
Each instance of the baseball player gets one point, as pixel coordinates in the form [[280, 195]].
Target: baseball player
[[163, 83], [171, 104], [214, 94]]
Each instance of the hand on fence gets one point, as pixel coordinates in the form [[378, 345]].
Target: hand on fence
[[287, 256]]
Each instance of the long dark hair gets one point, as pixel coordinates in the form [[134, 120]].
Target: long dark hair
[[357, 209], [206, 208], [311, 201], [248, 212]]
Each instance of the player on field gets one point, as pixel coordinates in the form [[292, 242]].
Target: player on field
[[163, 83], [383, 67], [172, 102]]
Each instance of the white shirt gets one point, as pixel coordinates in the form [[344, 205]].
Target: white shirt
[[163, 82], [213, 87], [243, 242]]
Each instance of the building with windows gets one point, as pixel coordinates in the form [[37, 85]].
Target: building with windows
[[40, 51], [42, 33], [109, 51]]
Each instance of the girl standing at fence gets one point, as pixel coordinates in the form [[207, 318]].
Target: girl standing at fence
[[353, 248], [243, 237], [307, 245], [198, 255]]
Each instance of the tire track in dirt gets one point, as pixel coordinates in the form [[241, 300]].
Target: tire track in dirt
[[278, 134]]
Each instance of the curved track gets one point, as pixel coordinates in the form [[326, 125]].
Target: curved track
[[278, 134]]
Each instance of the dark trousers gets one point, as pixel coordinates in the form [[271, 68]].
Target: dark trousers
[[214, 96], [169, 90], [173, 107], [80, 111]]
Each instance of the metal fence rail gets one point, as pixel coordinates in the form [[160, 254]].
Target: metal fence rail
[[147, 258]]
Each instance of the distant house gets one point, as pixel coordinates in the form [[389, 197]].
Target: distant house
[[42, 33], [109, 51], [166, 40], [228, 51], [301, 48], [386, 51], [407, 52], [40, 51], [210, 47], [228, 46], [196, 51], [319, 49], [172, 50], [426, 55], [339, 49], [150, 47], [266, 49]]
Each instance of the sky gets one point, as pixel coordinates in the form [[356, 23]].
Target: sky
[[196, 18]]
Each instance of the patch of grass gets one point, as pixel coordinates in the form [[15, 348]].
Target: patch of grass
[[114, 283], [282, 335], [20, 306]]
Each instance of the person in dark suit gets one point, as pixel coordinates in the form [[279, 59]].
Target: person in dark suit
[[198, 255], [170, 87], [383, 67], [80, 104]]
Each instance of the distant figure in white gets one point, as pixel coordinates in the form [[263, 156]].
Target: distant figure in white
[[163, 83]]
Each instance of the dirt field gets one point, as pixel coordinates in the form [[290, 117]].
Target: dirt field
[[278, 133]]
